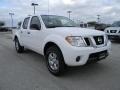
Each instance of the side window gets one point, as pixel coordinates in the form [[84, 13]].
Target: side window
[[35, 23], [25, 23]]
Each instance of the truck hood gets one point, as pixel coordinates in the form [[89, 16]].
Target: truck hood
[[76, 31]]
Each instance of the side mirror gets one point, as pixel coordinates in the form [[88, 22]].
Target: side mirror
[[34, 27]]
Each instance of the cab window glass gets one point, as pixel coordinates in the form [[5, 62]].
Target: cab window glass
[[25, 23], [35, 23]]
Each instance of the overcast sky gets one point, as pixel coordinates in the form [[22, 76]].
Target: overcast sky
[[85, 10]]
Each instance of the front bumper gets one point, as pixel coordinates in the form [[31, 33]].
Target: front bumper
[[70, 54], [94, 57], [114, 37]]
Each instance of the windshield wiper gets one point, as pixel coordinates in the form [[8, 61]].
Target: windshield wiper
[[53, 26], [69, 26], [59, 26]]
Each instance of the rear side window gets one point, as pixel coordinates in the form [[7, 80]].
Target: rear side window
[[25, 23]]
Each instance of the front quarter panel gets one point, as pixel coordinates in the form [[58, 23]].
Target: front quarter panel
[[58, 40]]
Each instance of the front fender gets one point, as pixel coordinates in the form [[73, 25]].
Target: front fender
[[58, 40]]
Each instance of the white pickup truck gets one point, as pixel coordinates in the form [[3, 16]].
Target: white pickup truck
[[61, 41], [113, 33]]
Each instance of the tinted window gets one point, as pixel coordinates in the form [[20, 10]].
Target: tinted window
[[52, 21], [25, 23], [35, 21]]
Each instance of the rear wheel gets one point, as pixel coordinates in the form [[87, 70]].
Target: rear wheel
[[55, 61], [18, 47]]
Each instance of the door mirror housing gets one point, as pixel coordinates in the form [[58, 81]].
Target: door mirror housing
[[35, 27]]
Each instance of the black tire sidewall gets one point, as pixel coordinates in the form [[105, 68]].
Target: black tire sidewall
[[20, 48], [61, 68]]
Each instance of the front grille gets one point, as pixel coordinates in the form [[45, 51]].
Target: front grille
[[99, 40], [113, 31], [87, 41]]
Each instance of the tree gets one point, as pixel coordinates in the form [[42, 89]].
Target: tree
[[2, 23]]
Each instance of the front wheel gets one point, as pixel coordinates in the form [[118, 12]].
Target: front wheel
[[18, 47], [55, 61]]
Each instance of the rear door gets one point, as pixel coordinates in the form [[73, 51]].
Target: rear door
[[24, 31]]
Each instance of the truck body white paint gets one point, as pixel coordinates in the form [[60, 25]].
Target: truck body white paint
[[37, 39]]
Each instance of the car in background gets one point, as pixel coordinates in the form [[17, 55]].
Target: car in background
[[113, 32]]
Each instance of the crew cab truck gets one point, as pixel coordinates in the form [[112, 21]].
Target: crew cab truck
[[61, 41]]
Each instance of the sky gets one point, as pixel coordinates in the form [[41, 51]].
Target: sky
[[83, 10]]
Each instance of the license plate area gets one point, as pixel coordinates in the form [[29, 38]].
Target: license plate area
[[98, 56], [102, 56]]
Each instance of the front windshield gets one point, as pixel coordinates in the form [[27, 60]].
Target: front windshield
[[52, 21], [116, 24]]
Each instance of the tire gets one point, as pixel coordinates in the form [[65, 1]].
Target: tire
[[18, 47], [55, 61]]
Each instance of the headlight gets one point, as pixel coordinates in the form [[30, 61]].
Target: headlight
[[75, 41]]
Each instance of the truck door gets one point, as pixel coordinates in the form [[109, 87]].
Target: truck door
[[34, 34], [24, 31]]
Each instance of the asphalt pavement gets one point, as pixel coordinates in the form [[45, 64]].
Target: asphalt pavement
[[27, 71]]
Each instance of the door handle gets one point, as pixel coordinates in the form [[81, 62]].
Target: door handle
[[28, 32]]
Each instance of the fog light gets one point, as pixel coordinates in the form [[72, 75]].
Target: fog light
[[78, 59]]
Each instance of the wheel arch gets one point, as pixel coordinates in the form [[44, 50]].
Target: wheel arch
[[50, 44], [19, 39]]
